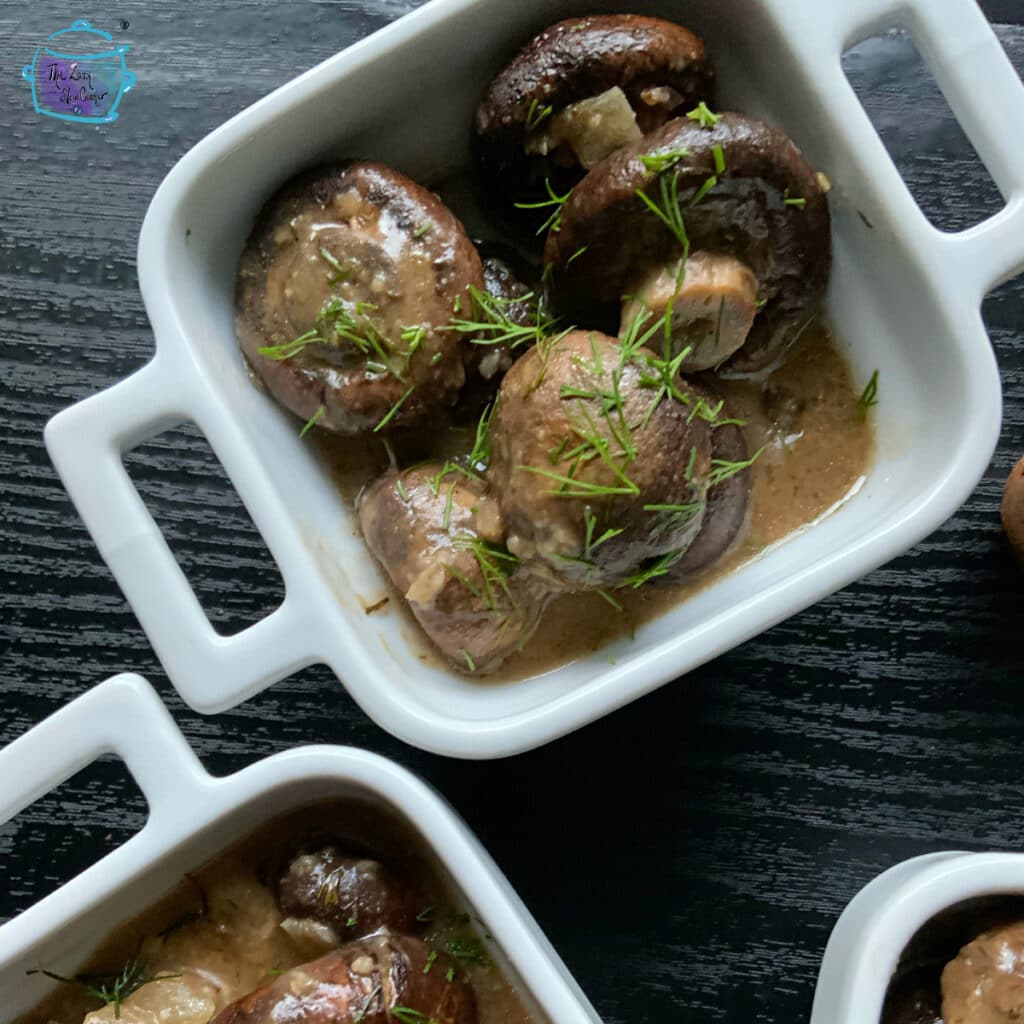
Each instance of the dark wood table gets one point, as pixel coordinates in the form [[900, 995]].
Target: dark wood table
[[688, 856]]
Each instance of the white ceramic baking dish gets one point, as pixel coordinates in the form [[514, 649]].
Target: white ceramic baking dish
[[193, 817], [905, 298], [865, 946]]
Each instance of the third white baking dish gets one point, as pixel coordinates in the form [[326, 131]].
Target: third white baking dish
[[905, 298], [864, 949]]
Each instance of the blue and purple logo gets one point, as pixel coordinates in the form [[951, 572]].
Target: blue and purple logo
[[79, 74]]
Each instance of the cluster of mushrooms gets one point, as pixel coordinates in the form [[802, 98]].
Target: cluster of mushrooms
[[377, 968], [677, 243]]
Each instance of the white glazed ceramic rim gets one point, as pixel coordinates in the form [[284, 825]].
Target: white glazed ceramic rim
[[124, 716], [214, 672], [865, 947]]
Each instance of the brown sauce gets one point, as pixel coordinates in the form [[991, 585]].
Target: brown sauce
[[217, 933], [817, 452]]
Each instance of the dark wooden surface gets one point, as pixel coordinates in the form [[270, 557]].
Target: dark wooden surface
[[687, 856]]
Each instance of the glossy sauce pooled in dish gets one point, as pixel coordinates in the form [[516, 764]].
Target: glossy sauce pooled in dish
[[346, 923]]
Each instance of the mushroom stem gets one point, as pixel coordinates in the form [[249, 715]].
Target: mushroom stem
[[710, 310], [593, 128]]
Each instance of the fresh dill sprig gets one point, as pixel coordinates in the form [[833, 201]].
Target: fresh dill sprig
[[469, 949], [704, 116], [719, 156], [472, 668], [431, 957], [669, 212], [290, 349], [617, 605], [799, 203], [554, 221], [659, 567], [422, 229], [313, 420], [577, 254], [407, 1015], [868, 398], [723, 469], [391, 413], [112, 990], [591, 542], [495, 565], [537, 114], [489, 322], [340, 272], [661, 162], [361, 1015]]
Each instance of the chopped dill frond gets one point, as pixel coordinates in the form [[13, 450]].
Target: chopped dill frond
[[704, 116], [554, 221]]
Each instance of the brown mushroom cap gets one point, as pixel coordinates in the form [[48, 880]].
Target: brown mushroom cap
[[578, 59], [404, 259], [727, 514], [549, 403], [1012, 509], [609, 238], [473, 601]]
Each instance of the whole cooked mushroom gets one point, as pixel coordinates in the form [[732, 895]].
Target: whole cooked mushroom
[[439, 536], [1012, 510], [351, 896], [715, 222], [579, 91], [365, 982], [600, 461], [344, 296]]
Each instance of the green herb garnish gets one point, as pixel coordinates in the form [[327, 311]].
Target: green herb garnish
[[491, 324], [340, 272], [719, 154], [470, 950], [722, 469], [390, 414], [422, 229], [431, 957], [469, 659], [536, 114], [111, 990], [868, 398], [313, 420], [554, 221], [661, 162], [704, 116], [800, 203]]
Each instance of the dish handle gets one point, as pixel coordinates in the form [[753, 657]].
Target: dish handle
[[122, 716], [86, 443]]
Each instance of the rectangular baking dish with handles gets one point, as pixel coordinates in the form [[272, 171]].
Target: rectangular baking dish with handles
[[193, 817], [872, 933], [904, 298]]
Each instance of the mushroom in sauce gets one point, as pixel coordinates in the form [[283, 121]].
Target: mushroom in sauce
[[601, 459], [364, 982], [580, 90], [716, 223], [1012, 509], [344, 896], [438, 533], [345, 293]]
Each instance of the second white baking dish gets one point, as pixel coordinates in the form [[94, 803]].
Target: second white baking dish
[[193, 817], [905, 299]]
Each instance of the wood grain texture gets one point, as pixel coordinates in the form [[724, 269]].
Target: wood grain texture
[[724, 821]]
